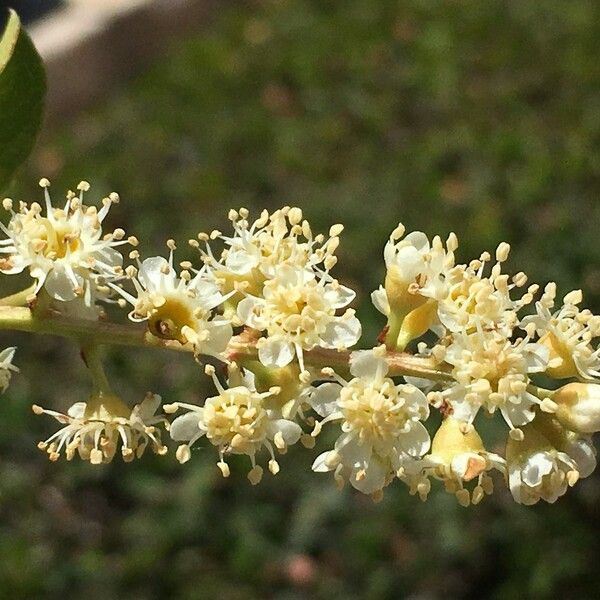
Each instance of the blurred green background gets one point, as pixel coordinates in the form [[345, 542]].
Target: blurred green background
[[479, 117]]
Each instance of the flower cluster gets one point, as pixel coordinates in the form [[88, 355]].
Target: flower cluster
[[262, 310]]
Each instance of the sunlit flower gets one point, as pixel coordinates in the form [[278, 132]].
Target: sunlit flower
[[65, 249], [297, 312], [256, 251], [178, 307], [6, 367], [480, 301], [567, 333], [492, 372], [95, 429], [459, 457], [380, 421], [414, 282], [236, 421]]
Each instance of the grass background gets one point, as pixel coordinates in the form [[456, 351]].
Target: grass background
[[477, 117]]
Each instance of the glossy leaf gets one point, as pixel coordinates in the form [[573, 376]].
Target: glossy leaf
[[22, 93]]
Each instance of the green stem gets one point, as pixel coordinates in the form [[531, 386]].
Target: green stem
[[93, 359], [112, 334], [19, 298]]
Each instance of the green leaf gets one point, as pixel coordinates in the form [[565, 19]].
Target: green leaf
[[22, 92]]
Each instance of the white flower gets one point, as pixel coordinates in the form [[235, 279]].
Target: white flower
[[414, 268], [567, 333], [179, 307], [414, 282], [256, 251], [475, 301], [65, 250], [298, 312], [236, 421], [381, 424], [537, 470], [492, 372], [96, 429], [458, 457], [6, 367]]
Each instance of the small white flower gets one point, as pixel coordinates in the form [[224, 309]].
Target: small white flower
[[567, 333], [255, 252], [65, 249], [236, 421], [476, 302], [537, 470], [415, 281], [298, 312], [179, 307], [6, 367], [96, 429], [381, 424], [492, 372]]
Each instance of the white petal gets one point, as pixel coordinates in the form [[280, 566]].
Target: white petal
[[583, 452], [320, 465], [59, 285], [148, 406], [186, 427], [380, 301], [77, 410], [339, 296], [220, 334], [415, 399], [275, 352], [415, 442], [537, 466], [341, 333], [374, 477], [152, 273], [290, 431], [352, 453], [522, 413], [368, 364], [324, 399], [248, 311]]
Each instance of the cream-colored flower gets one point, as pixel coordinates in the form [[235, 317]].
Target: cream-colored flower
[[256, 251], [297, 312], [236, 421], [65, 249], [6, 367], [457, 457], [537, 470], [476, 301], [414, 282], [179, 307], [96, 428], [568, 333], [493, 372], [380, 421]]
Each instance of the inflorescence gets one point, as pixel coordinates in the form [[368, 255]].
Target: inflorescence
[[261, 309]]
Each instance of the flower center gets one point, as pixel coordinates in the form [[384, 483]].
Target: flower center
[[236, 420], [170, 318], [375, 411]]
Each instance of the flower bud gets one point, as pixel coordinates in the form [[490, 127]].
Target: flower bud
[[579, 406]]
